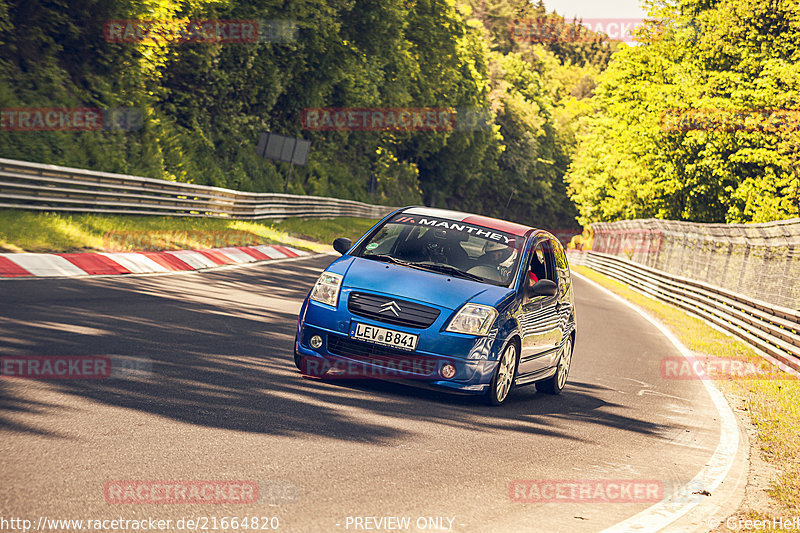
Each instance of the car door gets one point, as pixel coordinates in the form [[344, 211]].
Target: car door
[[538, 316]]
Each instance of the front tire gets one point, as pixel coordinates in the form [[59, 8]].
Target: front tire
[[504, 374], [555, 384]]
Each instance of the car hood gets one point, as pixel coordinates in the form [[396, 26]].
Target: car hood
[[434, 288]]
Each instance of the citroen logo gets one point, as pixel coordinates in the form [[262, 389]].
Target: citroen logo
[[391, 306]]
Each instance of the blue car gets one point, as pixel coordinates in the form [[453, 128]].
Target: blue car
[[458, 302]]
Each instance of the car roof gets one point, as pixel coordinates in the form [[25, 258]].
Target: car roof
[[468, 218]]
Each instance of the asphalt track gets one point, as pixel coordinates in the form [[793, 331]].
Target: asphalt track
[[216, 397]]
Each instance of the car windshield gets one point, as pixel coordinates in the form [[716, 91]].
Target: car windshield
[[446, 246]]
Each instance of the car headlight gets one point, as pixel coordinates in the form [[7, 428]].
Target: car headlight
[[326, 290], [473, 319]]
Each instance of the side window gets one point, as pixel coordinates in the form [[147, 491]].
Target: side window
[[562, 267], [550, 259], [561, 261], [542, 264], [536, 268]]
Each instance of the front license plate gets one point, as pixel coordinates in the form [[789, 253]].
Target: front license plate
[[386, 337]]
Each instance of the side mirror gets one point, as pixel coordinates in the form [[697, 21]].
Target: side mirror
[[342, 244], [543, 287]]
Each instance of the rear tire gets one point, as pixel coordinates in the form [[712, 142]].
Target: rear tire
[[555, 384], [504, 374]]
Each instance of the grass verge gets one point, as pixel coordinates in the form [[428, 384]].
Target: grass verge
[[773, 404], [31, 231]]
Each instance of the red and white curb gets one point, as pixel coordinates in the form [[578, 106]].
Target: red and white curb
[[116, 263]]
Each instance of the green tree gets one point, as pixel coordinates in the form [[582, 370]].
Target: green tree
[[698, 59]]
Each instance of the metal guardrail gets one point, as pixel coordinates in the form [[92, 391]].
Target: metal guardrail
[[761, 260], [772, 329], [25, 185]]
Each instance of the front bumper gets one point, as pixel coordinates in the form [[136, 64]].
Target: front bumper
[[339, 356]]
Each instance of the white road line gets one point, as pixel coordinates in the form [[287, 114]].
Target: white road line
[[710, 476]]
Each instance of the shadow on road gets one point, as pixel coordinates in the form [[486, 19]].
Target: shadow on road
[[219, 350]]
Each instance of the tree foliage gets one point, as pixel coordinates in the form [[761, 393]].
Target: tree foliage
[[730, 60], [204, 104]]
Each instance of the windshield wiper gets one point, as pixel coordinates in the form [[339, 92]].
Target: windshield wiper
[[388, 259], [435, 267], [447, 269]]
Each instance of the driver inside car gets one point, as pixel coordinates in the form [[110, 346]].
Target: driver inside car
[[537, 270], [494, 255]]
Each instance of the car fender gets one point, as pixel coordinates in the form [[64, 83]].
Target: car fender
[[509, 329]]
